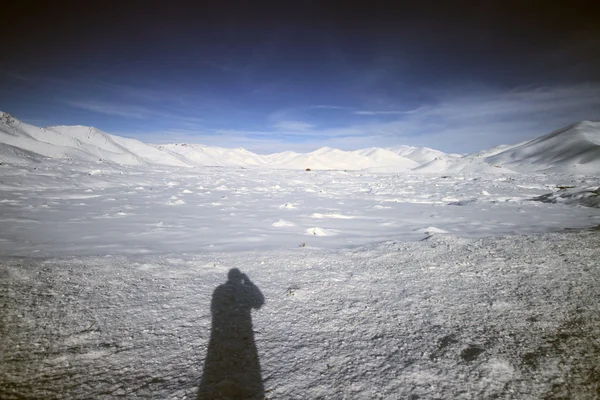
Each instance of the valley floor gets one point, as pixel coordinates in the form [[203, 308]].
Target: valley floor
[[58, 208], [250, 283], [515, 317]]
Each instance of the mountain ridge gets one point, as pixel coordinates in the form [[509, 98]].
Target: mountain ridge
[[574, 148]]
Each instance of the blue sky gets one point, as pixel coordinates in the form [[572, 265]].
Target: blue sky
[[457, 76]]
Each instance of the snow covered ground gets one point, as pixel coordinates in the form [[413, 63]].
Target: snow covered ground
[[511, 317], [137, 277], [61, 208]]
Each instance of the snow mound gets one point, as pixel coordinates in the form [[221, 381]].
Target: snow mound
[[575, 148], [330, 215], [282, 223], [430, 230]]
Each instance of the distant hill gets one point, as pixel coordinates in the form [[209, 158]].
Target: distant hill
[[573, 149]]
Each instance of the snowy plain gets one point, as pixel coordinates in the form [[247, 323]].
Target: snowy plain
[[437, 276], [57, 208]]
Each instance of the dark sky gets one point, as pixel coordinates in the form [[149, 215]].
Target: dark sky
[[454, 75]]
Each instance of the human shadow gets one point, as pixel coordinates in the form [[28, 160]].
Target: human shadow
[[232, 367]]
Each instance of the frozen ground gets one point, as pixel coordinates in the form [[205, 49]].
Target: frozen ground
[[59, 208], [108, 273], [512, 317]]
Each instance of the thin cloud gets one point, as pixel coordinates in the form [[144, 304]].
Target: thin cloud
[[130, 111], [361, 112], [329, 107], [293, 126], [387, 112], [460, 123], [120, 110], [294, 113], [134, 102], [455, 123]]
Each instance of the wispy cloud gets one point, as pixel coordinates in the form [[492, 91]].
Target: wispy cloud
[[294, 113], [120, 110], [293, 126], [459, 120], [378, 112], [116, 99], [387, 112], [455, 123], [361, 112], [329, 107], [127, 110]]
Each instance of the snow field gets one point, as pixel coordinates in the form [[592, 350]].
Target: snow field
[[59, 208], [508, 317]]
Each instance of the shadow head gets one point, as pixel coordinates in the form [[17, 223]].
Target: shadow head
[[235, 276]]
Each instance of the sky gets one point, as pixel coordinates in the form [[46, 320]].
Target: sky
[[458, 76]]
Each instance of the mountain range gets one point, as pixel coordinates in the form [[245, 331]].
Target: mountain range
[[572, 149]]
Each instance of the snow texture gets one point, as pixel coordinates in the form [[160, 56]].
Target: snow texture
[[507, 317]]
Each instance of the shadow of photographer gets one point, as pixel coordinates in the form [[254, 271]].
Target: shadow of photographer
[[232, 367]]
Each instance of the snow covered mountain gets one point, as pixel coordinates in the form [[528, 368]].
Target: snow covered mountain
[[328, 158], [421, 155], [574, 149], [90, 144], [196, 154], [81, 143]]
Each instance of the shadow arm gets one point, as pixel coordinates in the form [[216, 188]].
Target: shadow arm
[[254, 294]]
